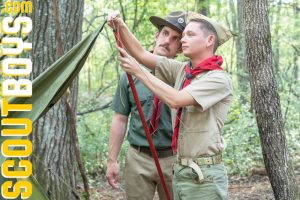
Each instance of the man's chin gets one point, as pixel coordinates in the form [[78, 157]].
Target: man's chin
[[162, 53], [185, 51]]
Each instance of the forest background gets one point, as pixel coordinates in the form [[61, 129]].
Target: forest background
[[243, 155], [99, 77]]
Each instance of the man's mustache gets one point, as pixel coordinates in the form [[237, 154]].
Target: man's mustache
[[166, 46]]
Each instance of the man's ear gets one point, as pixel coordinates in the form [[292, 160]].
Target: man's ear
[[179, 50], [156, 35], [210, 40]]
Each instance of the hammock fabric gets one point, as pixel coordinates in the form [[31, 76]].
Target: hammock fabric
[[47, 89]]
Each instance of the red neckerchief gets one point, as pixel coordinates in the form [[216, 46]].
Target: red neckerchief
[[155, 114], [211, 63]]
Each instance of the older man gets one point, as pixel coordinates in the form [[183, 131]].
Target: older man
[[141, 176]]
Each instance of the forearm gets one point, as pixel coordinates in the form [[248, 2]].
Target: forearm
[[117, 134], [135, 49], [129, 41]]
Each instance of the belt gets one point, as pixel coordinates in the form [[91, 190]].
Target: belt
[[161, 153], [195, 164], [212, 160]]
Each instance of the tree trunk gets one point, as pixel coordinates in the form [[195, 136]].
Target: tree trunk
[[266, 101], [240, 48], [54, 162], [202, 6]]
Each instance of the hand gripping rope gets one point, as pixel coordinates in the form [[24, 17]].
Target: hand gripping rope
[[142, 117]]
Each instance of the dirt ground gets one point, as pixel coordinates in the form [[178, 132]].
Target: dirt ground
[[256, 187]]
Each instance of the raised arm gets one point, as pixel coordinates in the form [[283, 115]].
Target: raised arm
[[170, 96], [131, 44]]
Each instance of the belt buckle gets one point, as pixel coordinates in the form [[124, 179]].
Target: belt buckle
[[183, 161], [200, 161], [209, 161]]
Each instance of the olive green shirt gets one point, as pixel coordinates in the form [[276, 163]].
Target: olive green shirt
[[124, 104], [200, 125]]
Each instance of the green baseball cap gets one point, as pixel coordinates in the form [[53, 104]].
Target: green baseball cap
[[175, 20]]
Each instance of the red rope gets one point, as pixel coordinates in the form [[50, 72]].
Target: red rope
[[148, 135]]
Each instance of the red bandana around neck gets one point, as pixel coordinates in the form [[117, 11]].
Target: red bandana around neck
[[155, 115], [211, 63]]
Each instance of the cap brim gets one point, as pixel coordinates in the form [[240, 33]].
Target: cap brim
[[159, 22]]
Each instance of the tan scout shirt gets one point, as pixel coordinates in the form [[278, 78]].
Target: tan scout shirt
[[200, 126]]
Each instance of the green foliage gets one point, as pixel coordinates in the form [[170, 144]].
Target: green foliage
[[242, 140], [93, 132], [93, 139]]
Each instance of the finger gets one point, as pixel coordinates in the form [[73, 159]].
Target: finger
[[109, 23], [116, 14], [113, 15], [113, 182], [122, 59], [126, 69], [124, 66], [109, 17], [122, 52]]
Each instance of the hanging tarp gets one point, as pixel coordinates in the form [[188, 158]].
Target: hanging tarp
[[47, 89], [50, 85]]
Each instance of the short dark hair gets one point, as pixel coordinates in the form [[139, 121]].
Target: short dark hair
[[208, 29], [160, 28]]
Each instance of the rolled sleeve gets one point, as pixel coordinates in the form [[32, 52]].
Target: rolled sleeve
[[121, 102], [167, 69]]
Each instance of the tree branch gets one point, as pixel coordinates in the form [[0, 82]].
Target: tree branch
[[90, 22], [122, 11], [107, 105]]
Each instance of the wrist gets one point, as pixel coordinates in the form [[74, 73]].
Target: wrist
[[111, 160], [139, 74], [120, 24]]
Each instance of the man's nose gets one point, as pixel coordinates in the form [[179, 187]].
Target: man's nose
[[182, 40], [168, 40]]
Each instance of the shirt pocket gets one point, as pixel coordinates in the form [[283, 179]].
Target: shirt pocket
[[194, 120], [146, 101]]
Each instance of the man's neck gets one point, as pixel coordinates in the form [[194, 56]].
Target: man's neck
[[195, 61]]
